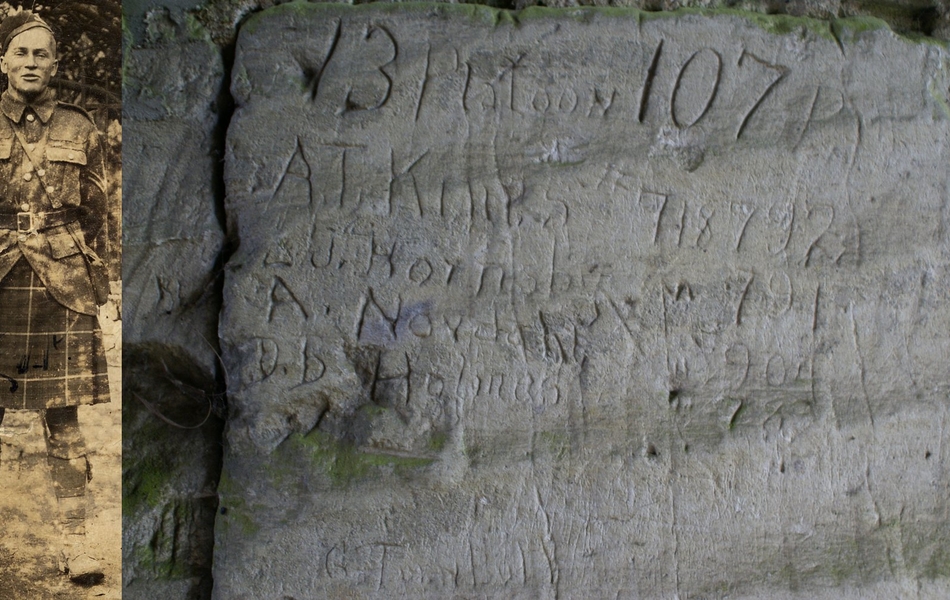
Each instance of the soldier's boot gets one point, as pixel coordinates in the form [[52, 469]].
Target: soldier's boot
[[76, 560]]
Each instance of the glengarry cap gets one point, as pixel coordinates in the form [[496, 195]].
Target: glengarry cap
[[16, 24]]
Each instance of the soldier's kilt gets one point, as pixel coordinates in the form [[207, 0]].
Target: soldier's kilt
[[50, 356]]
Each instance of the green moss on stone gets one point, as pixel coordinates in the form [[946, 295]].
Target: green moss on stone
[[848, 30], [195, 30], [246, 524], [302, 7], [234, 508], [161, 569], [938, 566], [372, 410], [160, 559], [558, 443], [437, 441], [345, 463], [149, 482], [147, 479]]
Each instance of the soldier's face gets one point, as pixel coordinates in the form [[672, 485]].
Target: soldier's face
[[30, 61]]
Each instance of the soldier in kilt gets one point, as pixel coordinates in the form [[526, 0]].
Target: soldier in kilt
[[52, 201]]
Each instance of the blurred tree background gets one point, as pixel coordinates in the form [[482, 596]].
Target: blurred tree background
[[89, 42]]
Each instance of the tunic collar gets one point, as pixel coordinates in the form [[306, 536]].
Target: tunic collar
[[13, 107]]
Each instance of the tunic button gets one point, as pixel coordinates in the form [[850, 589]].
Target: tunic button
[[50, 190], [41, 172], [27, 176], [71, 155], [25, 207], [30, 147], [30, 118], [22, 238]]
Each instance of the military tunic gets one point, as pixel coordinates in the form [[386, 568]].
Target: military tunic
[[52, 202]]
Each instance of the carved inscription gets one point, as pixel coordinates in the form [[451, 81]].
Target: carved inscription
[[372, 87], [696, 80], [517, 291]]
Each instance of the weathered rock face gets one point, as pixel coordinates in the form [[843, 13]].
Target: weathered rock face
[[921, 17], [173, 239], [584, 304]]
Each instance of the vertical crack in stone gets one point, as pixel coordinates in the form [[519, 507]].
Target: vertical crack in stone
[[225, 108], [176, 111]]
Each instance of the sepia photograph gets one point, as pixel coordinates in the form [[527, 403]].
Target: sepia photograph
[[60, 300]]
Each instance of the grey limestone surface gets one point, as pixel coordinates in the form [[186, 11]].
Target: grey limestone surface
[[172, 236], [584, 304], [172, 242]]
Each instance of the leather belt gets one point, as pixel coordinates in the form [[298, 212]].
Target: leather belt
[[29, 222]]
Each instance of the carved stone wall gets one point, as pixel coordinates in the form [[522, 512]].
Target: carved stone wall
[[586, 304], [542, 304], [173, 240]]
